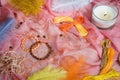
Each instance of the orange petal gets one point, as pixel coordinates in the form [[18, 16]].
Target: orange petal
[[78, 20], [65, 27]]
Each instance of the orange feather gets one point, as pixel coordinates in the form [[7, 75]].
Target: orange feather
[[76, 69]]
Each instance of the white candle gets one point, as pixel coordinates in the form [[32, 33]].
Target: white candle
[[104, 16]]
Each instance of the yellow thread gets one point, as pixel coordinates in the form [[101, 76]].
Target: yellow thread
[[110, 74], [109, 63]]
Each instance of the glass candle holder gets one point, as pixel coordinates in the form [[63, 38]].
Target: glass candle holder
[[104, 16]]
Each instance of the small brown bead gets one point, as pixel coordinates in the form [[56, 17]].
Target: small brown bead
[[61, 35], [38, 36], [61, 22], [21, 23], [44, 36], [15, 14], [10, 48], [119, 59]]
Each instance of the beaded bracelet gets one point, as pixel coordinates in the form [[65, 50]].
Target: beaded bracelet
[[40, 58], [24, 40]]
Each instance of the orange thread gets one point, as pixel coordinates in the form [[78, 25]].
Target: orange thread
[[110, 55]]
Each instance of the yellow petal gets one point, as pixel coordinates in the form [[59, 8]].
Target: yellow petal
[[81, 29], [63, 19]]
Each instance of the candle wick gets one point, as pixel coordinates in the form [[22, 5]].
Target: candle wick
[[105, 14]]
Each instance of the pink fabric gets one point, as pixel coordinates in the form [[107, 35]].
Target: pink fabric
[[3, 14], [69, 44]]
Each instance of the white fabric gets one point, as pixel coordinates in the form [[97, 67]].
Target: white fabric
[[68, 5]]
